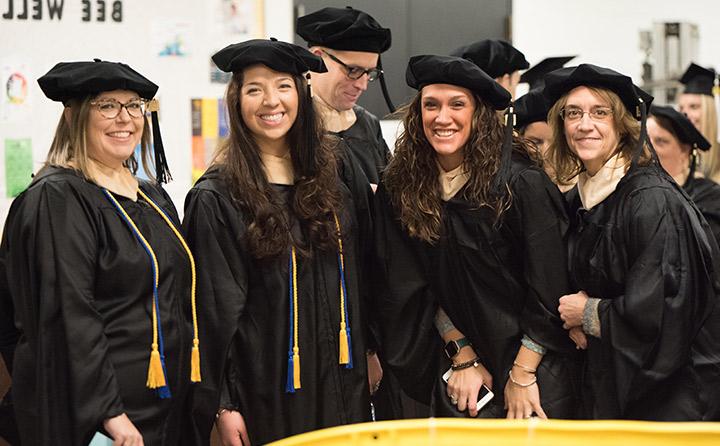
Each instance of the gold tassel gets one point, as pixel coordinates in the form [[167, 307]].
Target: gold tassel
[[344, 356], [195, 362], [296, 368], [156, 377]]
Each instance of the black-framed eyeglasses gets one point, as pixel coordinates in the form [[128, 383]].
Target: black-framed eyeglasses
[[354, 72], [111, 108], [572, 114]]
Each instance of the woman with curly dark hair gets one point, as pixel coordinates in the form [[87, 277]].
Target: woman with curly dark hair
[[275, 233], [470, 233]]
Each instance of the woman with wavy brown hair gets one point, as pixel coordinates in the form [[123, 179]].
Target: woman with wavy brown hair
[[470, 234], [275, 234]]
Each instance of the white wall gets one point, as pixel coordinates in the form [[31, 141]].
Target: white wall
[[39, 44], [606, 32]]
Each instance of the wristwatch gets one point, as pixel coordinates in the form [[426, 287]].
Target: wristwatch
[[453, 347]]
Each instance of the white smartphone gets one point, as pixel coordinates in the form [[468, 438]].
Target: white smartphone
[[484, 396]]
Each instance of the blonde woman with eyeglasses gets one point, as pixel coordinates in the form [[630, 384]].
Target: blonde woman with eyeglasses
[[97, 275]]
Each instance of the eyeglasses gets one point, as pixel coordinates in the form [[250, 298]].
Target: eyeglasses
[[111, 108], [572, 114], [354, 72]]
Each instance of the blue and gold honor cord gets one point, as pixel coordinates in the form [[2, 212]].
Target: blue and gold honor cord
[[157, 375], [345, 353]]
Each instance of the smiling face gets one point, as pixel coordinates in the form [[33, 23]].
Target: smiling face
[[269, 106], [447, 114], [335, 87], [593, 141], [112, 141]]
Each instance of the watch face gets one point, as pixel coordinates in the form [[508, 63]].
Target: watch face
[[451, 349]]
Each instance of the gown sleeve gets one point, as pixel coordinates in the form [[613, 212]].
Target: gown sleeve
[[8, 333], [668, 292], [405, 306], [542, 222], [51, 255], [210, 227]]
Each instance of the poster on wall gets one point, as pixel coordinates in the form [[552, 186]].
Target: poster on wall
[[209, 127], [242, 18], [170, 37], [18, 165], [15, 90]]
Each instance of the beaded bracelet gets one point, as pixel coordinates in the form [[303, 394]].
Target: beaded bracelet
[[512, 380], [466, 365], [524, 367]]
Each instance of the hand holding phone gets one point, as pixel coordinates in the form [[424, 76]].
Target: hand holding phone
[[484, 395]]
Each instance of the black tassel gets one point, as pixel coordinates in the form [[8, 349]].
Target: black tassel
[[383, 87], [499, 185], [162, 171], [643, 134]]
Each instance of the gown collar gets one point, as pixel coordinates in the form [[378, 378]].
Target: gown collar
[[451, 182], [594, 189]]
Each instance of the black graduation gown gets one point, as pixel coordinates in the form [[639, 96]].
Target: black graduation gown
[[495, 284], [705, 194], [244, 322], [646, 251], [367, 146], [81, 286]]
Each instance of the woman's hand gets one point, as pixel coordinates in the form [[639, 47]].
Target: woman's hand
[[571, 309], [122, 431], [375, 372], [231, 427], [464, 387], [521, 402], [578, 337]]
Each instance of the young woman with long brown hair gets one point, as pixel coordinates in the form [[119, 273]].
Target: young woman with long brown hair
[[275, 234], [470, 232]]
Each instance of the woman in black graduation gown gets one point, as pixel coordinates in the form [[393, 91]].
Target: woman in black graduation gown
[[98, 275], [641, 255], [676, 142], [468, 222], [275, 234]]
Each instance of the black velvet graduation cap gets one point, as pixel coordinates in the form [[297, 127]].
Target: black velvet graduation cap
[[531, 107], [561, 81], [495, 57], [535, 75], [429, 69], [280, 56], [685, 130], [68, 80], [698, 80], [344, 29]]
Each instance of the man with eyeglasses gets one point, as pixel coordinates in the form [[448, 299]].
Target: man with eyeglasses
[[350, 42]]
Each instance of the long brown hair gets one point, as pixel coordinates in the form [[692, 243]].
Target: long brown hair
[[566, 163], [411, 177], [69, 146], [315, 197]]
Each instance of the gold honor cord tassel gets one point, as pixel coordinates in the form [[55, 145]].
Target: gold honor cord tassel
[[344, 354], [296, 345], [195, 353]]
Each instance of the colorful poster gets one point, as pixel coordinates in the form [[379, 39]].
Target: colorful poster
[[242, 17], [15, 90], [18, 165], [209, 126], [170, 37]]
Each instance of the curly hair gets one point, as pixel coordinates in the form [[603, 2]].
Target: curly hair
[[566, 163], [411, 177], [315, 197]]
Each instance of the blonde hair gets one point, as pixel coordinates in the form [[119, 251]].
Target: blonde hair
[[69, 145], [710, 160], [565, 163]]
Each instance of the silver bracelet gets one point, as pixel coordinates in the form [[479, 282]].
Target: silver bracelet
[[512, 380]]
